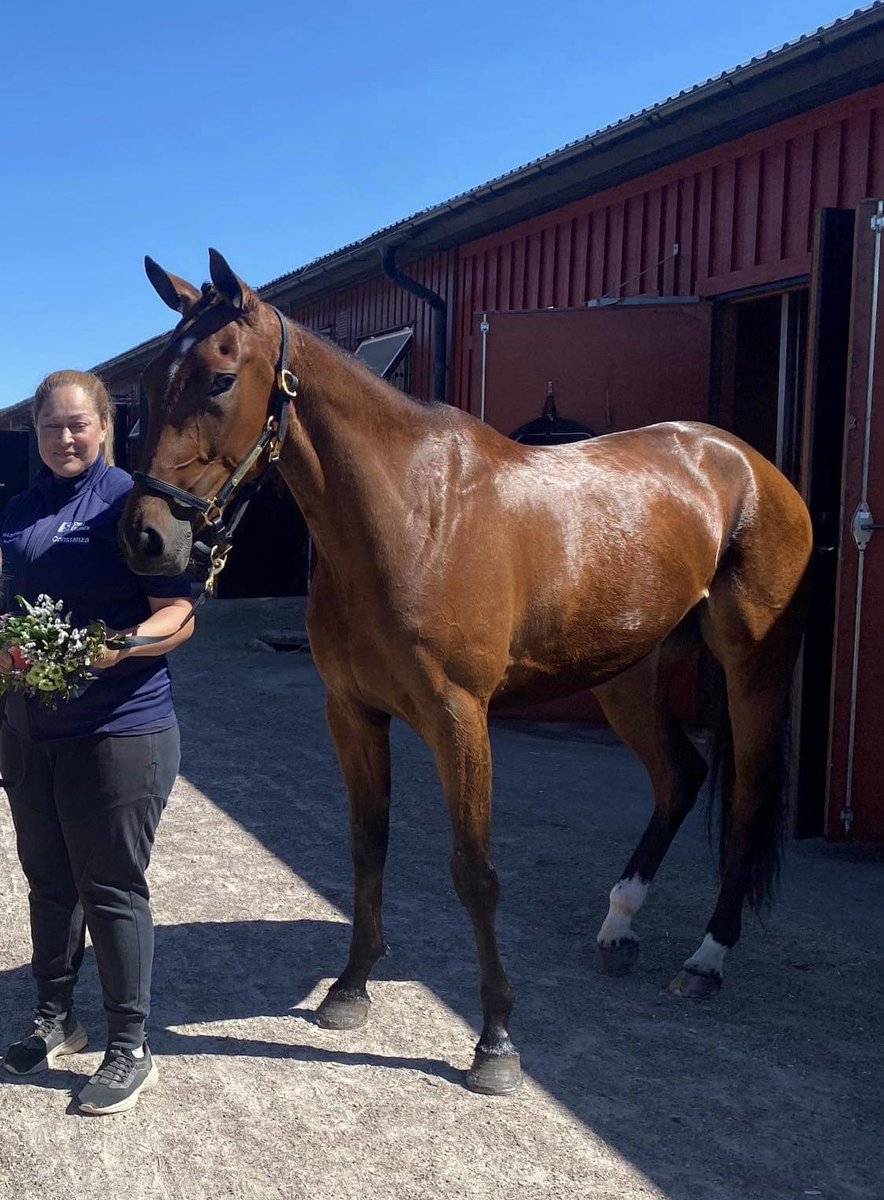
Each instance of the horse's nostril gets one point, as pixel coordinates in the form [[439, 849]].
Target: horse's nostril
[[150, 543]]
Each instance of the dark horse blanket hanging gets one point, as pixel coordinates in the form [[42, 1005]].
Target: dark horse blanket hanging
[[455, 567]]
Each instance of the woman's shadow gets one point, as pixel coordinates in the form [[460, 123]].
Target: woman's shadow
[[209, 973]]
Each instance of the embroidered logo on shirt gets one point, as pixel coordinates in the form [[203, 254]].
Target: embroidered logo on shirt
[[67, 530]]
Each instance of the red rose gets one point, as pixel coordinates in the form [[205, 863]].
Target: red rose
[[18, 659]]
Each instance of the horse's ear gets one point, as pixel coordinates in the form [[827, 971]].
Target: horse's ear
[[230, 286], [177, 293]]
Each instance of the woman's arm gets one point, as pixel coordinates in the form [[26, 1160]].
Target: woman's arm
[[166, 616]]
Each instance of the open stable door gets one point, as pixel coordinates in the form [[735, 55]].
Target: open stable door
[[819, 479], [855, 799], [612, 367]]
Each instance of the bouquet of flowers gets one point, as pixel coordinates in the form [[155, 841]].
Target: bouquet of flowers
[[51, 657]]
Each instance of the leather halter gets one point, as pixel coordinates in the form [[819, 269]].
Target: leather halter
[[219, 538], [272, 435]]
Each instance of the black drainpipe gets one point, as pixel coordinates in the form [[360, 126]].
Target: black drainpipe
[[440, 316]]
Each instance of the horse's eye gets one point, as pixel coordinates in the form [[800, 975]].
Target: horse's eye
[[221, 383]]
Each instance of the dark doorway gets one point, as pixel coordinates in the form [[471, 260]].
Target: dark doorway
[[761, 348], [14, 464], [125, 417], [270, 553]]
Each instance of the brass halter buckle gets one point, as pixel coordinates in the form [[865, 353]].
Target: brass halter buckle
[[287, 382], [219, 562], [212, 513], [273, 444]]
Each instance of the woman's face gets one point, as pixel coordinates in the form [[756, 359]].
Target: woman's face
[[70, 432]]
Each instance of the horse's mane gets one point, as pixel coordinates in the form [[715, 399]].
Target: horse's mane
[[351, 363], [211, 300]]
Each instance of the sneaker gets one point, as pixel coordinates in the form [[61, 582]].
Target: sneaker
[[118, 1082], [51, 1038]]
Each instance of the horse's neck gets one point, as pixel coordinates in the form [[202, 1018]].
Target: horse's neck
[[346, 452]]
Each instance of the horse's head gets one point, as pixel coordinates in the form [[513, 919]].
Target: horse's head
[[209, 395]]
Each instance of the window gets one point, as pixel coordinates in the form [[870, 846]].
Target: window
[[387, 355]]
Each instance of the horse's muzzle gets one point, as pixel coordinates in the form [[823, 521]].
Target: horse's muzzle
[[155, 543]]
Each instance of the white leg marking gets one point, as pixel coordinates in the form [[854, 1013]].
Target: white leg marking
[[627, 897], [709, 959]]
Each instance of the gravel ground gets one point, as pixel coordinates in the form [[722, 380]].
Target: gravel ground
[[771, 1091]]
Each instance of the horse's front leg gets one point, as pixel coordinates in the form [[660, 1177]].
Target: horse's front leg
[[362, 741], [458, 735]]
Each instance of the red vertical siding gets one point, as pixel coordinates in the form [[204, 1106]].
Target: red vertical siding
[[741, 215], [747, 211], [598, 264], [770, 222], [875, 186]]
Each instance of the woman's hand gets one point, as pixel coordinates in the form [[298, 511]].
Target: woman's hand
[[7, 662], [168, 623], [107, 656]]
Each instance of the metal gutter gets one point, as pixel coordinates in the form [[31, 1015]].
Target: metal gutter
[[439, 320]]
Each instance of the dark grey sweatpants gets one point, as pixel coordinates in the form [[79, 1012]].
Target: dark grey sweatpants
[[85, 812]]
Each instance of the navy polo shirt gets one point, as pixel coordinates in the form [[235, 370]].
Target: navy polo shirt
[[60, 538]]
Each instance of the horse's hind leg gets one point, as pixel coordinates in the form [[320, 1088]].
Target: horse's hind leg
[[457, 731], [635, 705], [362, 741], [758, 655]]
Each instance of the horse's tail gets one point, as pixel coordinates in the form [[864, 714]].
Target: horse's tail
[[767, 837]]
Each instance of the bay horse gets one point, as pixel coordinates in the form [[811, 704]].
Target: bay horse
[[455, 567]]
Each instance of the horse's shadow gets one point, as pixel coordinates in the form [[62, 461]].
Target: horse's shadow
[[637, 1068], [209, 974]]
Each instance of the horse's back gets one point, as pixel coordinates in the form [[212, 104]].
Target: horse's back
[[614, 540]]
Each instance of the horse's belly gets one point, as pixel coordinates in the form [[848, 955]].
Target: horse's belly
[[538, 680], [567, 651]]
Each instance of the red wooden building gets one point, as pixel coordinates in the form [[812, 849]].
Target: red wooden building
[[714, 257]]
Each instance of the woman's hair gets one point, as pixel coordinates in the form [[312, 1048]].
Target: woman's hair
[[95, 391]]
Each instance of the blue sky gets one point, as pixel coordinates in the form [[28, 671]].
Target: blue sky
[[279, 131]]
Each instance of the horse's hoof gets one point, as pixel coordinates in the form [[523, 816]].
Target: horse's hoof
[[494, 1074], [343, 1010], [692, 985], [617, 959]]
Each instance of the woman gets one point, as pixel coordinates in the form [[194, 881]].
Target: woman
[[88, 780]]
